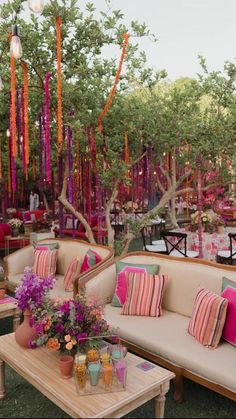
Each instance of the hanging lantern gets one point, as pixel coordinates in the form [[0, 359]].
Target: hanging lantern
[[1, 84], [36, 6], [15, 47]]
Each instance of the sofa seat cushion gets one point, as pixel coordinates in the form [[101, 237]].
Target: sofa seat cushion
[[57, 291], [167, 337]]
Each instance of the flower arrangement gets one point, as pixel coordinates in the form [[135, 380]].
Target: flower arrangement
[[206, 218], [66, 325], [10, 211], [33, 292], [15, 223]]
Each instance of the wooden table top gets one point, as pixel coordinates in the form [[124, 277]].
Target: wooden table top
[[40, 368]]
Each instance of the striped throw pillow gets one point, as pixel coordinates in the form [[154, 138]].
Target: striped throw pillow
[[144, 294], [45, 262], [72, 273], [208, 317]]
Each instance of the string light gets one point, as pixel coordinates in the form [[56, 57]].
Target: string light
[[15, 47], [1, 84], [8, 132], [36, 6]]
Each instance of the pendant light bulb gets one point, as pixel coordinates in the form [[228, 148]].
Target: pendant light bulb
[[1, 84], [36, 6], [15, 47]]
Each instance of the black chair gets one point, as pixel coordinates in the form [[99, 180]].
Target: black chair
[[228, 257], [176, 244], [148, 244]]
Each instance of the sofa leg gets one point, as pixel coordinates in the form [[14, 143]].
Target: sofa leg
[[178, 388]]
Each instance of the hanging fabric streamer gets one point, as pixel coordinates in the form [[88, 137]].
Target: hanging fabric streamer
[[18, 120], [12, 158], [13, 106], [26, 113], [47, 128], [0, 156], [70, 164], [40, 138], [115, 84], [23, 134], [59, 83]]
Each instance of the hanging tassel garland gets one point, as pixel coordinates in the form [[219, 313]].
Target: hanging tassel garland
[[13, 106], [114, 87], [47, 128], [59, 83], [26, 112]]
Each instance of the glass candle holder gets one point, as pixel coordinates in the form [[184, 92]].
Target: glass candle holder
[[81, 375], [121, 372], [107, 375], [94, 370]]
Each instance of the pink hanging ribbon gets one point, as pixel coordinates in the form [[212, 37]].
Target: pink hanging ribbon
[[47, 128]]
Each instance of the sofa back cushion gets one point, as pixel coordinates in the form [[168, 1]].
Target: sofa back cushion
[[73, 248], [6, 229], [185, 276]]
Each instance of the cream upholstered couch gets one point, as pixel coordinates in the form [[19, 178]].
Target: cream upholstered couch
[[68, 248], [165, 340]]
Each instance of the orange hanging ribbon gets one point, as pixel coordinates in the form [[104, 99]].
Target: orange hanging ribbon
[[117, 78], [59, 82], [26, 113]]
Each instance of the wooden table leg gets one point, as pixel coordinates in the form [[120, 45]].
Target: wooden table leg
[[159, 401], [2, 379]]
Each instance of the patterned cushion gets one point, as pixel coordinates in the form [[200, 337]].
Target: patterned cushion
[[45, 262], [121, 287], [91, 258], [72, 272], [229, 331], [46, 246], [144, 294], [208, 317]]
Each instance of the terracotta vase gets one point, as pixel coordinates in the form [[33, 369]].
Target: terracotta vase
[[66, 363], [25, 332], [2, 291]]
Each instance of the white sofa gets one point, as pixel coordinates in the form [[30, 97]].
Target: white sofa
[[15, 263], [164, 340]]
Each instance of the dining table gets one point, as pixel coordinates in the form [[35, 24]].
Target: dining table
[[211, 242]]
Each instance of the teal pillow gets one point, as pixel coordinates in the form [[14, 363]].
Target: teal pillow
[[227, 283], [119, 296]]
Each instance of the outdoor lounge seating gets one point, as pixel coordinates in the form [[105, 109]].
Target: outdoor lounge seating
[[164, 340], [5, 230], [17, 261]]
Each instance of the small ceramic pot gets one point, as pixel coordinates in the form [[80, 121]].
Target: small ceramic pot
[[66, 363]]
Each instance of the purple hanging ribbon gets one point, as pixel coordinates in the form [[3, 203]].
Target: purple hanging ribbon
[[12, 158], [47, 128]]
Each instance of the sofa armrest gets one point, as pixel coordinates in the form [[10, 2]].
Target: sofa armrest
[[100, 285], [17, 261]]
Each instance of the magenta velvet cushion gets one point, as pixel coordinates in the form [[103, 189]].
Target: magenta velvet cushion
[[229, 331], [91, 258]]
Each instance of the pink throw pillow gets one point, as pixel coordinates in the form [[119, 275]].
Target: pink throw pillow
[[144, 295], [229, 330], [71, 274], [45, 263], [208, 317], [91, 258]]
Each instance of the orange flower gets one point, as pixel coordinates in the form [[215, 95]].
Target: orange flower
[[53, 344], [69, 346], [67, 338]]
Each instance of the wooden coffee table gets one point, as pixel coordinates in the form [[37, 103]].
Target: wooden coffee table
[[40, 368]]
